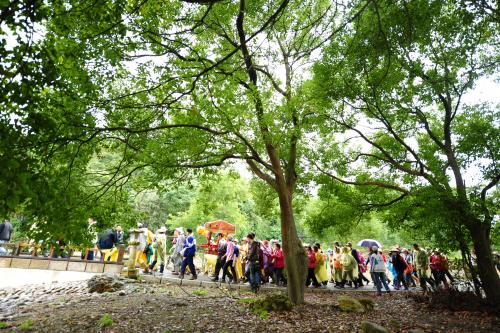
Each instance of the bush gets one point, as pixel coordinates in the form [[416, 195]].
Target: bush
[[26, 325], [105, 321], [263, 306], [200, 292]]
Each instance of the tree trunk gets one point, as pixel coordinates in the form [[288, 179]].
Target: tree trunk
[[467, 261], [295, 257], [485, 267]]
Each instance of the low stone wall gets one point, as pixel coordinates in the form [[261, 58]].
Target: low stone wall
[[60, 264]]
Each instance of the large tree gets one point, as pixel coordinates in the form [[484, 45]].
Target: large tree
[[394, 86], [178, 85]]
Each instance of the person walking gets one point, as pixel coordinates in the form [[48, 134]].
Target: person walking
[[6, 230], [254, 262], [160, 249], [311, 265], [106, 242], [439, 264], [400, 266], [337, 266], [320, 270], [377, 270], [279, 265], [189, 253], [230, 257], [349, 268], [177, 249], [221, 255], [421, 262], [409, 272]]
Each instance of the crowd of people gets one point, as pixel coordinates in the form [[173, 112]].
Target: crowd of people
[[261, 262]]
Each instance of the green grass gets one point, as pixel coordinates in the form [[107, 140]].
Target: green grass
[[262, 313], [26, 325], [200, 292], [168, 331], [247, 300], [3, 325], [105, 321]]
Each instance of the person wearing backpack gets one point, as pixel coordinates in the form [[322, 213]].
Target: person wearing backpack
[[400, 266], [106, 242], [377, 269], [5, 235], [221, 255], [255, 260]]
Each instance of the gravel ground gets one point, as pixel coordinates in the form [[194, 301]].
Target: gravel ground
[[141, 307]]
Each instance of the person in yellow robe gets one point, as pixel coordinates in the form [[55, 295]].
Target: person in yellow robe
[[320, 270], [349, 268], [145, 240]]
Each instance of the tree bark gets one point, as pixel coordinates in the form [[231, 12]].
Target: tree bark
[[485, 267], [295, 257]]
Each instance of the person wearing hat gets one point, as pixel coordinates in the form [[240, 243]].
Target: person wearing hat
[[421, 262], [160, 249], [377, 270], [400, 266]]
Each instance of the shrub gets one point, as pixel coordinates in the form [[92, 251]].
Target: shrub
[[26, 325], [200, 292], [105, 321]]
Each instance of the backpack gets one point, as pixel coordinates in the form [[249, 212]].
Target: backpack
[[256, 252]]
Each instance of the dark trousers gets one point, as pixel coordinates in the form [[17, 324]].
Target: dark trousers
[[162, 267], [401, 278], [218, 265], [188, 261], [311, 277], [227, 265], [278, 276], [448, 274], [254, 276]]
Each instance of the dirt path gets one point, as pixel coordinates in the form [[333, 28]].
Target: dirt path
[[170, 308]]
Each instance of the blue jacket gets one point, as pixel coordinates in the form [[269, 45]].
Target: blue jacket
[[190, 246]]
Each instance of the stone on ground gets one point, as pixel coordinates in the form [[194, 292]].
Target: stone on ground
[[273, 302], [369, 327], [104, 283], [349, 304]]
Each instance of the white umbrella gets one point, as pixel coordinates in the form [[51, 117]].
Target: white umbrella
[[369, 243]]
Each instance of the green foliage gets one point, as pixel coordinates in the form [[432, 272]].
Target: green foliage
[[200, 292], [3, 325], [247, 300], [26, 325], [393, 85], [105, 321]]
